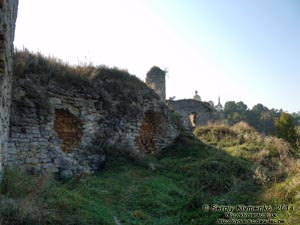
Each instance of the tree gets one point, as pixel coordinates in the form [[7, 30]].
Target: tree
[[262, 118], [229, 107], [259, 108], [296, 119], [235, 112], [266, 121], [241, 107], [297, 128], [285, 128]]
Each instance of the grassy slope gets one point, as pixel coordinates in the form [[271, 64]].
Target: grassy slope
[[187, 175], [234, 166], [275, 164]]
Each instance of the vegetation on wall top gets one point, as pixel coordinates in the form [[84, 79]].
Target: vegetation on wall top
[[89, 77], [155, 70]]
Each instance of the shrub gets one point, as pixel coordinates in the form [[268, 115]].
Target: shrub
[[20, 198]]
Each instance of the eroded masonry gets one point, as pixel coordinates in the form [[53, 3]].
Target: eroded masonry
[[8, 15], [52, 118], [67, 127]]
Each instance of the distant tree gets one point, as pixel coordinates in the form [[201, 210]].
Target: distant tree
[[285, 128], [230, 112], [259, 117], [241, 107], [297, 128], [229, 107], [296, 119], [235, 112], [259, 108], [262, 118], [266, 122]]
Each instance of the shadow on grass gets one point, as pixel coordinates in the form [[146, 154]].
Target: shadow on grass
[[170, 188]]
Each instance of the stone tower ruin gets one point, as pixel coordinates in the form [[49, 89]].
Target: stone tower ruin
[[8, 15], [156, 79]]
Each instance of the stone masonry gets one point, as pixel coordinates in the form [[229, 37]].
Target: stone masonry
[[8, 15], [69, 129], [156, 80], [192, 112]]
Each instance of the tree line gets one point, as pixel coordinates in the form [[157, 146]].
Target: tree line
[[267, 121]]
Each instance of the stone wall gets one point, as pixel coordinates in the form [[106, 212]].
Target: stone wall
[[8, 14], [154, 131], [156, 80], [69, 129], [192, 112]]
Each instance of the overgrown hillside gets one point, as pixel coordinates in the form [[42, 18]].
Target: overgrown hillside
[[275, 163], [219, 165], [263, 119], [235, 166]]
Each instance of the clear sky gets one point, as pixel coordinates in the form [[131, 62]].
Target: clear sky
[[242, 50]]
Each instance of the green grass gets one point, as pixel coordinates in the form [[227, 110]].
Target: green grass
[[275, 164], [224, 165], [186, 176]]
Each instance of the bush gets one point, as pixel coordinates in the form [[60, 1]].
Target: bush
[[20, 198]]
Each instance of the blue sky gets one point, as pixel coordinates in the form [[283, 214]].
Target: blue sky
[[246, 50]]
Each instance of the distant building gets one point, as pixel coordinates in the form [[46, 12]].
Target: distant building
[[196, 96], [192, 112], [219, 107]]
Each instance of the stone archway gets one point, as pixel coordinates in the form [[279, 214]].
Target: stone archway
[[193, 119], [68, 129], [152, 132]]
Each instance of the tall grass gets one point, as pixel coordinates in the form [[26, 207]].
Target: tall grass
[[20, 198], [185, 176], [98, 82]]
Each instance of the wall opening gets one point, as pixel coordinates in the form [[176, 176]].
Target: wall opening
[[193, 119], [68, 129], [152, 131]]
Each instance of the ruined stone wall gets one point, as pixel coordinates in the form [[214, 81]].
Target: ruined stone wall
[[8, 14], [193, 113], [53, 133], [156, 80], [67, 129]]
